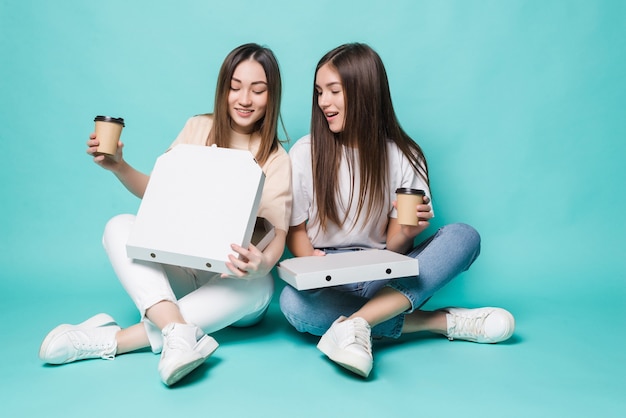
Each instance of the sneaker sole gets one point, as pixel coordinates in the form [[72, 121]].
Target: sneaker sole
[[95, 321], [205, 347], [362, 367]]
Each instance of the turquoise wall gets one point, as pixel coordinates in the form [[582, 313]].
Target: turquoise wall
[[519, 106]]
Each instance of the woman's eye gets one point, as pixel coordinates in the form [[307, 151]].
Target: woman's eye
[[259, 91]]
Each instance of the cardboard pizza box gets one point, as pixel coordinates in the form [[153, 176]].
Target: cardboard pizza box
[[346, 267], [198, 202]]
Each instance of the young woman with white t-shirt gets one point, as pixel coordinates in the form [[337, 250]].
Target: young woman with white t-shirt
[[345, 174]]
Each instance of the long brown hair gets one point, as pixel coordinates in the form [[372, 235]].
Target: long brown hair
[[266, 126], [370, 121]]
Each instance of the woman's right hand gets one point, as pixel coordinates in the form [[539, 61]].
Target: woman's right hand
[[108, 162], [135, 181]]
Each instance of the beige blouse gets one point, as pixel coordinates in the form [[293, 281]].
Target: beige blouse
[[275, 205]]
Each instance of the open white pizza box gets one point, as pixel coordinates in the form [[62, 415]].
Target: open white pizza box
[[198, 202], [334, 269]]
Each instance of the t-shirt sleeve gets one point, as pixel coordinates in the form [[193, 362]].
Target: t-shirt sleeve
[[300, 155], [409, 179]]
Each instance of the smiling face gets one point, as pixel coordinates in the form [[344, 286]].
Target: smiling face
[[247, 97], [330, 97]]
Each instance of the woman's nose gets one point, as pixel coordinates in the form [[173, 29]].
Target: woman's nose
[[245, 98], [322, 100]]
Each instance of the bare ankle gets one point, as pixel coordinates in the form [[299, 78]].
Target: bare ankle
[[432, 321]]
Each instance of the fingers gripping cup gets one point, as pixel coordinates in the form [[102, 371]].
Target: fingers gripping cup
[[408, 199], [108, 132]]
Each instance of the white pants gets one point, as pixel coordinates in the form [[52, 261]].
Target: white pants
[[204, 298]]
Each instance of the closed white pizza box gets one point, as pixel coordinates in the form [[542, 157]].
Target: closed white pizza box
[[346, 267], [198, 202]]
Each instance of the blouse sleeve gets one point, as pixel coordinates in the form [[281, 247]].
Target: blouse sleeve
[[276, 199], [196, 131]]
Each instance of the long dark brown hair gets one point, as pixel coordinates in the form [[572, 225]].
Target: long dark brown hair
[[267, 125], [370, 121]]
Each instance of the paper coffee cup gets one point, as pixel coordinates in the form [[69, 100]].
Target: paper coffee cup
[[408, 199], [108, 132]]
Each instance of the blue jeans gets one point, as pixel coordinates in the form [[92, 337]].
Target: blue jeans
[[442, 257]]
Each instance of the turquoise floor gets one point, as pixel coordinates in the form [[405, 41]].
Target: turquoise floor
[[565, 360]]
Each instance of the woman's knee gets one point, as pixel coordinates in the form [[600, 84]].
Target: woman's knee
[[467, 240], [293, 305], [251, 319], [288, 300], [465, 233], [118, 227], [263, 292]]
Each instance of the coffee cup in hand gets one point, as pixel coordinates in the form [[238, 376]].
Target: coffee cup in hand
[[108, 132], [408, 199]]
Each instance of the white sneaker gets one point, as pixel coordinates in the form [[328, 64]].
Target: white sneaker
[[348, 343], [94, 338], [482, 325], [185, 347]]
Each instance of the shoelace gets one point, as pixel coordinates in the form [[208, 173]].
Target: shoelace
[[176, 341], [362, 336], [468, 326], [87, 346]]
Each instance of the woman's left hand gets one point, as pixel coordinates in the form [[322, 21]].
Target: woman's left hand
[[250, 263], [400, 237], [424, 215]]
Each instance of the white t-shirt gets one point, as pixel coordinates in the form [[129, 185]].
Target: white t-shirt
[[368, 234]]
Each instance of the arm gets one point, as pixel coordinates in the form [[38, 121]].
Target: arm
[[299, 243], [135, 181], [400, 237]]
